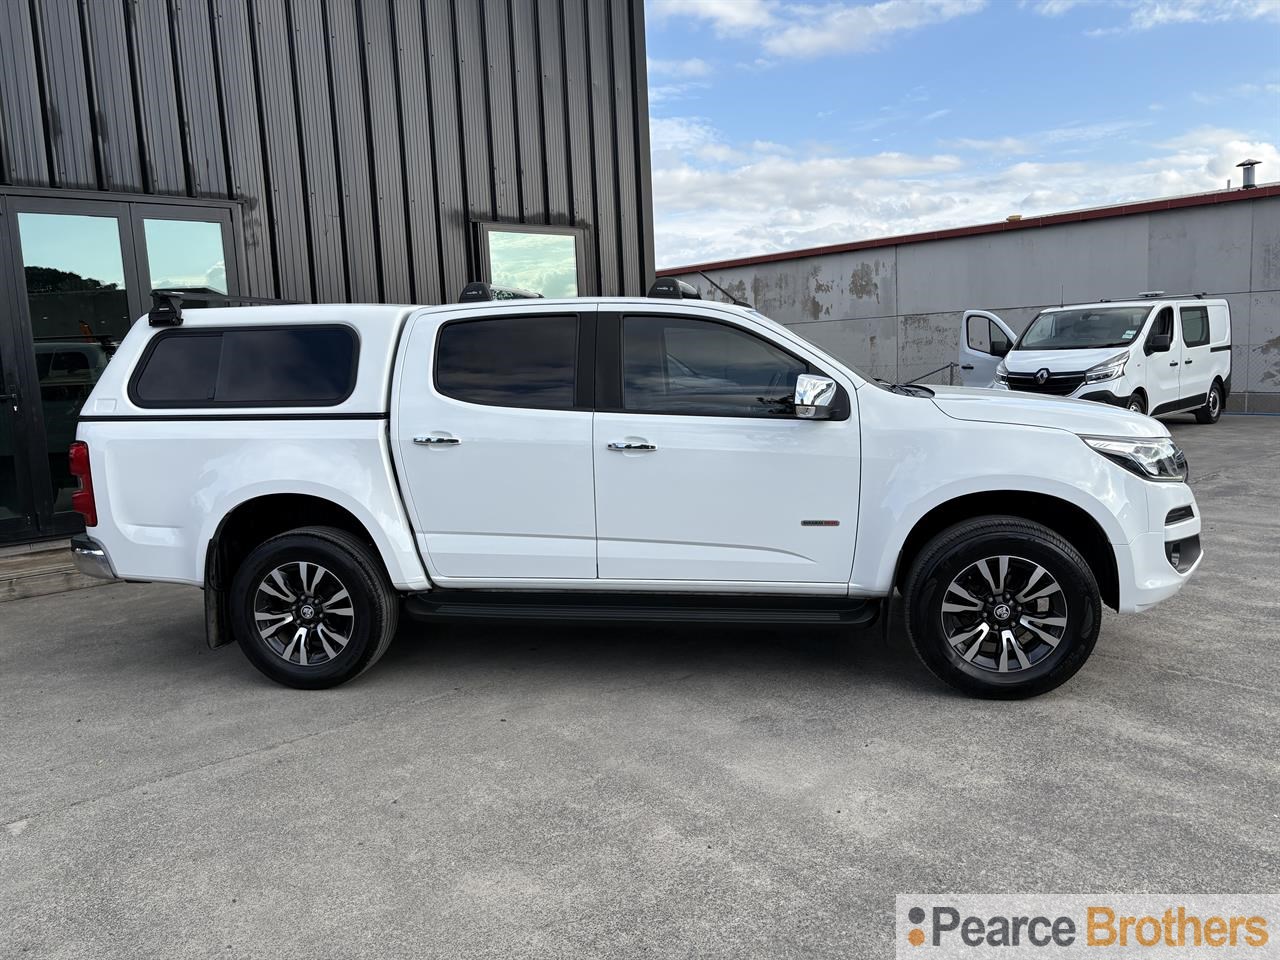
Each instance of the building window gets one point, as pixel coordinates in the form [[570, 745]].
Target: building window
[[544, 260], [185, 253]]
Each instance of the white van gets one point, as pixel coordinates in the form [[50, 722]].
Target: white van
[[1153, 355]]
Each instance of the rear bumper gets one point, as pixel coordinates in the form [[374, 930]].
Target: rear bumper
[[91, 557]]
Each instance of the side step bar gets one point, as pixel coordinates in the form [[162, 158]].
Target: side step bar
[[580, 607]]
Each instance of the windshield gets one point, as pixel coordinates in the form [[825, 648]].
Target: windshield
[[1084, 327]]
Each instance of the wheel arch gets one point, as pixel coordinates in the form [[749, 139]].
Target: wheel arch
[[1070, 521], [251, 522]]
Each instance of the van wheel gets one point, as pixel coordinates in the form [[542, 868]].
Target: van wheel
[[1212, 409], [1137, 403], [312, 608], [1001, 607]]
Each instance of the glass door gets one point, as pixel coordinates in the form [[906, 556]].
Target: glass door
[[79, 289], [78, 272]]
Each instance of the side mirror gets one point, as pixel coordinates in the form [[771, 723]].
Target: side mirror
[[1159, 343], [814, 396]]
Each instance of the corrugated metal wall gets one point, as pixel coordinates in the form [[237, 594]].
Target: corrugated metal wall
[[363, 137]]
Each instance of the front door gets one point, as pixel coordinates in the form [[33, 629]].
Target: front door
[[493, 442], [984, 340], [704, 473], [81, 271]]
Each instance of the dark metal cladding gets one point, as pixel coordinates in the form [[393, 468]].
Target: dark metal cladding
[[363, 139]]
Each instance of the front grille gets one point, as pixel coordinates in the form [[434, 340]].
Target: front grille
[[1058, 384]]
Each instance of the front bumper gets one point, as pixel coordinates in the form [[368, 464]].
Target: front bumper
[[1155, 565], [91, 557]]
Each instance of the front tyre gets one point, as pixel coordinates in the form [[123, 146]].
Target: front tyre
[[312, 608], [1137, 403], [1212, 409], [1001, 607]]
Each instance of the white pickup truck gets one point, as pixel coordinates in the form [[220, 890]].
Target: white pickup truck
[[317, 469]]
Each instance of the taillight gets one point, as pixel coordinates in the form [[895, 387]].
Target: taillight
[[82, 500]]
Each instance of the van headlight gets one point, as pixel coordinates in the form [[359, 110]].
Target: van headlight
[[1002, 374], [1111, 369], [1158, 458]]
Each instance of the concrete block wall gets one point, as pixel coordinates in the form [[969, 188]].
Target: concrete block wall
[[895, 311]]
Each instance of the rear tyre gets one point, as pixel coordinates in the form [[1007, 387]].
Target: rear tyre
[[1212, 409], [312, 608], [1001, 607], [1137, 403]]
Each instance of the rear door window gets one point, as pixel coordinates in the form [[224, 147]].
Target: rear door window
[[301, 366], [509, 361]]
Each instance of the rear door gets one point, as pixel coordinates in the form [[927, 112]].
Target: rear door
[[1197, 367], [984, 340], [492, 434]]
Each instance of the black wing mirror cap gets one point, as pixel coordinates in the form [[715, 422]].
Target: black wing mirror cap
[[1159, 343]]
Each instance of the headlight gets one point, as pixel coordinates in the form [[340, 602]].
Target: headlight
[[1108, 369], [1002, 373], [1155, 459]]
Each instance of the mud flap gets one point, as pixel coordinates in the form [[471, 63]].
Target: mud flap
[[217, 626]]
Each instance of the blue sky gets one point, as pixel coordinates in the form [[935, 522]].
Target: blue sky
[[779, 124]]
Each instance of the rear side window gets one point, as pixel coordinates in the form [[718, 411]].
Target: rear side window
[[248, 367], [509, 361], [1195, 325]]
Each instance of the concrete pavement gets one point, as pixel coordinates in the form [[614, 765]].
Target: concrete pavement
[[651, 792]]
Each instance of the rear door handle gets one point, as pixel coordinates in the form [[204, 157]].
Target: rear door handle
[[1173, 363], [628, 445], [436, 441], [1186, 361]]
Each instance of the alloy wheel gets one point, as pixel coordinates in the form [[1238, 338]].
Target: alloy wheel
[[1004, 614], [303, 613]]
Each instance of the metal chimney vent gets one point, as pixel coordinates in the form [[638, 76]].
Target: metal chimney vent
[[1248, 166]]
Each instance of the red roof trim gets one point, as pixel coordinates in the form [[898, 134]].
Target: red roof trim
[[1078, 216]]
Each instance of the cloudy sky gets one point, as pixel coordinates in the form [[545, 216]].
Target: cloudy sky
[[779, 124]]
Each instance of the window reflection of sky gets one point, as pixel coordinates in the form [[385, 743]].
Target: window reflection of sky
[[185, 253], [544, 263], [87, 246]]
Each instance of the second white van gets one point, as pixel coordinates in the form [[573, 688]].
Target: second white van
[[1153, 355]]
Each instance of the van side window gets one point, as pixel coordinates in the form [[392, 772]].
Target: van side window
[[1195, 325], [977, 335]]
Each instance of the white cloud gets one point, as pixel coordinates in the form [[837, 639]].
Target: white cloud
[[727, 16], [693, 67], [1051, 8], [790, 29], [1150, 14], [814, 31], [714, 199]]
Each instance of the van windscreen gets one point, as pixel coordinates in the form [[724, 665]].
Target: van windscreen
[[1084, 327]]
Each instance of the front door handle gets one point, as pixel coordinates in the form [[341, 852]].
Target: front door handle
[[436, 441], [628, 445], [1173, 363]]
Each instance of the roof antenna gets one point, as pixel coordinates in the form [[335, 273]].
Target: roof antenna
[[1062, 294], [732, 299]]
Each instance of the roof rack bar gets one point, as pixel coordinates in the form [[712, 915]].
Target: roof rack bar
[[166, 302], [479, 291]]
